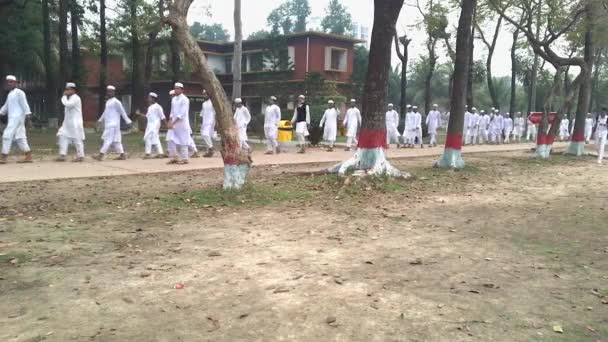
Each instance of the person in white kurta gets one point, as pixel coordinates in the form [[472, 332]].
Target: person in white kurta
[[418, 124], [564, 128], [112, 137], [18, 110], [179, 134], [473, 131], [507, 127], [518, 127], [588, 128], [433, 122], [391, 119], [301, 120], [409, 129], [242, 117], [154, 119], [496, 128], [207, 124], [531, 130], [466, 123], [352, 122], [329, 122], [71, 131], [272, 117], [601, 131], [482, 132]]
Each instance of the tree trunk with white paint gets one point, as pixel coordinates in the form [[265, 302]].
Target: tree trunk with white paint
[[370, 159], [237, 77], [236, 162]]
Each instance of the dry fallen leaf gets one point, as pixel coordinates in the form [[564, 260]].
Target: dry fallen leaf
[[558, 329]]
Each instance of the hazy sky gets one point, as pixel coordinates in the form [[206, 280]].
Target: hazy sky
[[256, 11]]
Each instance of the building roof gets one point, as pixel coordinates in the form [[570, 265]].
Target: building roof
[[293, 35]]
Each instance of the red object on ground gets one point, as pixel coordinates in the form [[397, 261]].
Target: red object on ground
[[536, 117], [372, 138], [453, 141], [179, 286]]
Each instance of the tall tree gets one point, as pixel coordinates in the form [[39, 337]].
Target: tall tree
[[210, 32], [50, 96], [176, 63], [370, 157], [76, 13], [236, 162], [452, 156], [491, 45], [137, 81], [337, 19], [301, 11], [63, 44], [470, 89], [514, 71], [290, 17], [403, 57], [103, 56], [152, 36], [238, 51]]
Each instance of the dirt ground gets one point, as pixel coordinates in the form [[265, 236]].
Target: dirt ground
[[509, 249]]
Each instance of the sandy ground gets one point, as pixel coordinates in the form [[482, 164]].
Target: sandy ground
[[510, 249]]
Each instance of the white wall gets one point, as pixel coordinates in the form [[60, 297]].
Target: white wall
[[217, 63]]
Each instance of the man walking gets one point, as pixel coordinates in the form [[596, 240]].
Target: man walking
[[18, 111], [242, 117], [272, 117], [601, 131], [433, 122], [207, 124], [71, 131], [154, 118], [330, 121], [392, 122], [301, 120], [178, 136], [112, 137], [352, 121]]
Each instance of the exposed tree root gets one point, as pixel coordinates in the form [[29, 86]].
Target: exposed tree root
[[368, 162]]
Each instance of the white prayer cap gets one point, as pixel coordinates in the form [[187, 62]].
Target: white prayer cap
[[409, 106], [415, 107], [172, 92], [70, 85], [11, 78], [238, 100], [330, 101], [390, 104], [301, 97], [273, 98], [482, 111], [493, 108], [111, 87], [154, 95], [435, 105], [178, 85], [353, 100], [473, 108]]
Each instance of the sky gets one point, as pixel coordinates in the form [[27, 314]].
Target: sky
[[254, 13]]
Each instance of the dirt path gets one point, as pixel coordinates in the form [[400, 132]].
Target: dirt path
[[46, 170], [507, 250]]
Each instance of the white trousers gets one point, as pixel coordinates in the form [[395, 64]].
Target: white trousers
[[271, 138], [178, 151], [21, 143], [208, 141], [116, 145], [507, 135], [483, 136], [433, 140], [350, 141], [153, 142], [471, 138], [65, 142], [600, 144]]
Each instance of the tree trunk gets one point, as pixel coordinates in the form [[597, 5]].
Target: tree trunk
[[103, 56], [403, 57], [577, 141], [596, 76], [238, 51], [75, 21], [50, 95], [545, 137], [236, 162], [176, 67], [514, 68], [491, 47], [150, 49], [370, 158], [470, 77], [63, 46], [137, 85], [452, 157], [428, 80], [532, 94]]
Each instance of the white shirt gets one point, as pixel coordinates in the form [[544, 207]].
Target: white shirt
[[518, 122], [17, 108], [180, 111], [242, 117], [72, 126], [602, 123], [433, 120], [418, 120], [208, 113], [295, 115], [392, 118], [330, 117], [272, 116], [155, 116], [352, 118], [410, 121], [112, 114], [507, 123]]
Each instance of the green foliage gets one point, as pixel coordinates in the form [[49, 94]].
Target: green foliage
[[337, 19], [361, 60], [289, 17], [261, 34], [21, 39], [212, 33], [314, 84], [276, 54]]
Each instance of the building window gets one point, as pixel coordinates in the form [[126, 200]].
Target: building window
[[228, 65], [335, 59], [256, 61]]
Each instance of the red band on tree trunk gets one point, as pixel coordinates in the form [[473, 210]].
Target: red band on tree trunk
[[372, 138], [453, 141], [578, 137], [541, 139]]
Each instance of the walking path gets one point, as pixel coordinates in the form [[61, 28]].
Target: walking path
[[47, 170]]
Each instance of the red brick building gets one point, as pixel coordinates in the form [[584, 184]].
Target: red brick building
[[327, 55]]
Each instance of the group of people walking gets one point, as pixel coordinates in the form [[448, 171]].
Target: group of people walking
[[479, 128]]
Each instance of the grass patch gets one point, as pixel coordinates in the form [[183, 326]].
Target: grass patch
[[250, 195], [5, 258]]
